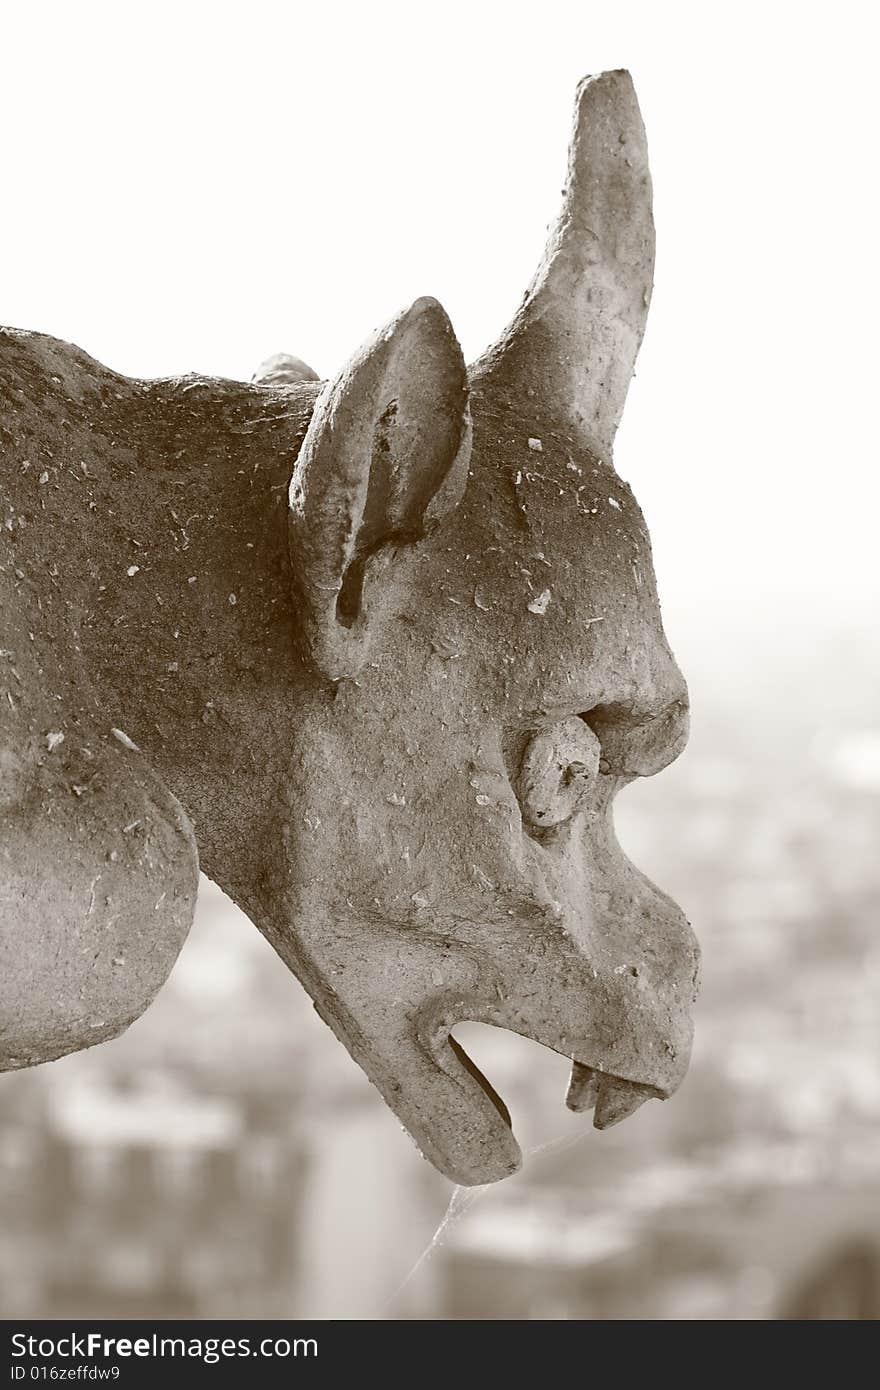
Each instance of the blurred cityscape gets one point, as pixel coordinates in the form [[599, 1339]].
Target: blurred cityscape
[[225, 1158]]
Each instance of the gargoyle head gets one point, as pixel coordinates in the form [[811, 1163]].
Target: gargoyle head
[[487, 669]]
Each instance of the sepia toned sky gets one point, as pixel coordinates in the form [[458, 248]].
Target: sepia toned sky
[[195, 186]]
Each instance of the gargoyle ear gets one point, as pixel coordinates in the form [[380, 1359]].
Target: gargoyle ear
[[385, 455]]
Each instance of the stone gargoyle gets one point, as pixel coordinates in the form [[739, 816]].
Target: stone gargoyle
[[378, 654]]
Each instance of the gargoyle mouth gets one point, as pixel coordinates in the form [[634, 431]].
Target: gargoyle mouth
[[611, 1098], [470, 1135], [454, 1113]]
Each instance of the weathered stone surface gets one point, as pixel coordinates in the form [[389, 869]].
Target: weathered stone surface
[[385, 652], [283, 370]]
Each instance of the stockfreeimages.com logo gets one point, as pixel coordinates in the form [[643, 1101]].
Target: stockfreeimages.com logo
[[91, 1346]]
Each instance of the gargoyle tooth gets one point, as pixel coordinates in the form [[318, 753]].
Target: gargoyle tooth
[[617, 1099], [583, 1087]]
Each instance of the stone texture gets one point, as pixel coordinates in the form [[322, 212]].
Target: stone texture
[[385, 652]]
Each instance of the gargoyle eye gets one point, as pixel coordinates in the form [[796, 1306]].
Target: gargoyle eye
[[558, 770]]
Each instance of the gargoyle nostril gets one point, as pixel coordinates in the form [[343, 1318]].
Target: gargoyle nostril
[[558, 769]]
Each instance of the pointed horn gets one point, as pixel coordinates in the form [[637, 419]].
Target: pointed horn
[[573, 343]]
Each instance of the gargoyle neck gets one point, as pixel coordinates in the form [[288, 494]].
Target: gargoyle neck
[[190, 622]]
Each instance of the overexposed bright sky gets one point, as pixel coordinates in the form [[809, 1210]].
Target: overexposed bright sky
[[195, 186]]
